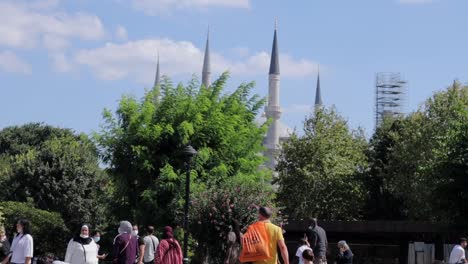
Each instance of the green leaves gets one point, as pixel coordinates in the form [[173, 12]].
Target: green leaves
[[417, 161], [143, 142], [322, 168], [51, 167]]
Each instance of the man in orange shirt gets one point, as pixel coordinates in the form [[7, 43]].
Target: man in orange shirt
[[275, 234]]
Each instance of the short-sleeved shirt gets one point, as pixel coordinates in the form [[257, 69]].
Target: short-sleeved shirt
[[21, 248], [276, 234], [299, 252], [457, 255], [151, 244]]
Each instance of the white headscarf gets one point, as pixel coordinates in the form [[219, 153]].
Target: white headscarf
[[84, 236], [125, 227]]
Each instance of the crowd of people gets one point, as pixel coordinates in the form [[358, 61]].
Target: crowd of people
[[128, 247], [260, 243]]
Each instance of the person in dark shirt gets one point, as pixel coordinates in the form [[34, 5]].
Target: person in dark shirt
[[141, 244], [345, 256], [4, 244], [318, 241]]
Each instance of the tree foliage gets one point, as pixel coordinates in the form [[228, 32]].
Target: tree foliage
[[421, 159], [53, 169], [143, 142], [48, 228], [214, 209], [319, 171]]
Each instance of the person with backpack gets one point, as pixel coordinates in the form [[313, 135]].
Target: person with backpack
[[151, 244], [169, 251], [260, 242]]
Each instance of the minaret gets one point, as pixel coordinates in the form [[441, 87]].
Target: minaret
[[157, 78], [157, 82], [273, 110], [206, 72], [318, 93]]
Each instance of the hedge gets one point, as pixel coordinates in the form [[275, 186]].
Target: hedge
[[47, 228]]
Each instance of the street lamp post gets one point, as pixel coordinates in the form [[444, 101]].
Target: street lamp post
[[190, 152]]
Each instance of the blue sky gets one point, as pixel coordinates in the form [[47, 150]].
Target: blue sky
[[63, 62]]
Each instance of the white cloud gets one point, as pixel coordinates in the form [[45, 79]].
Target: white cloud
[[54, 42], [415, 1], [26, 23], [136, 60], [11, 63], [121, 33], [154, 7], [60, 62]]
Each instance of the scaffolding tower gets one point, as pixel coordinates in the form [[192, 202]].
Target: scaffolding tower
[[390, 95]]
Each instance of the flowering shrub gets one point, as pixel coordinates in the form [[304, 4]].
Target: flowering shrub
[[214, 209]]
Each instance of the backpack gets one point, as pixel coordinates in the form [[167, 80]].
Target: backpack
[[255, 244]]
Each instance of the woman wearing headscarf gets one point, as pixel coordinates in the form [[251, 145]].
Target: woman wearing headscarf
[[82, 249], [125, 245], [169, 251]]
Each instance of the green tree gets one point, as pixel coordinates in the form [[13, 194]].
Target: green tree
[[423, 161], [143, 142], [52, 168], [214, 209], [48, 228], [322, 169], [381, 202]]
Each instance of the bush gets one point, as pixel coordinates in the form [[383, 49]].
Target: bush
[[47, 228], [213, 210]]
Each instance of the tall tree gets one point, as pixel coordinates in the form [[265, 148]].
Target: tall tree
[[425, 164], [322, 169], [143, 143], [52, 168]]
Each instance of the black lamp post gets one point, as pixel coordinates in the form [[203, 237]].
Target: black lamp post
[[190, 152]]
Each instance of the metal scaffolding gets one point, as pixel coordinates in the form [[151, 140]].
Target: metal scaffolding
[[389, 96]]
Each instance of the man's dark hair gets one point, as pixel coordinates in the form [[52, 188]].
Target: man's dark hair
[[462, 239], [150, 230], [265, 212], [95, 232], [313, 221], [26, 226], [303, 241], [308, 255]]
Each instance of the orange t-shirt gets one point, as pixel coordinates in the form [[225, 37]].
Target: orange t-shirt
[[276, 234]]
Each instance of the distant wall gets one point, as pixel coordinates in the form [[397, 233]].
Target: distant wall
[[376, 241]]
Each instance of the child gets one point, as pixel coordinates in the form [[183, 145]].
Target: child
[[308, 256], [303, 245]]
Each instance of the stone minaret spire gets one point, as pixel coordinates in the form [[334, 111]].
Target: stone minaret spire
[[157, 82], [273, 110], [318, 93], [157, 78], [206, 73]]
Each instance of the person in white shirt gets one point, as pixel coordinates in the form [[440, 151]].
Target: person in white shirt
[[303, 246], [82, 249], [151, 244], [457, 256], [22, 246]]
